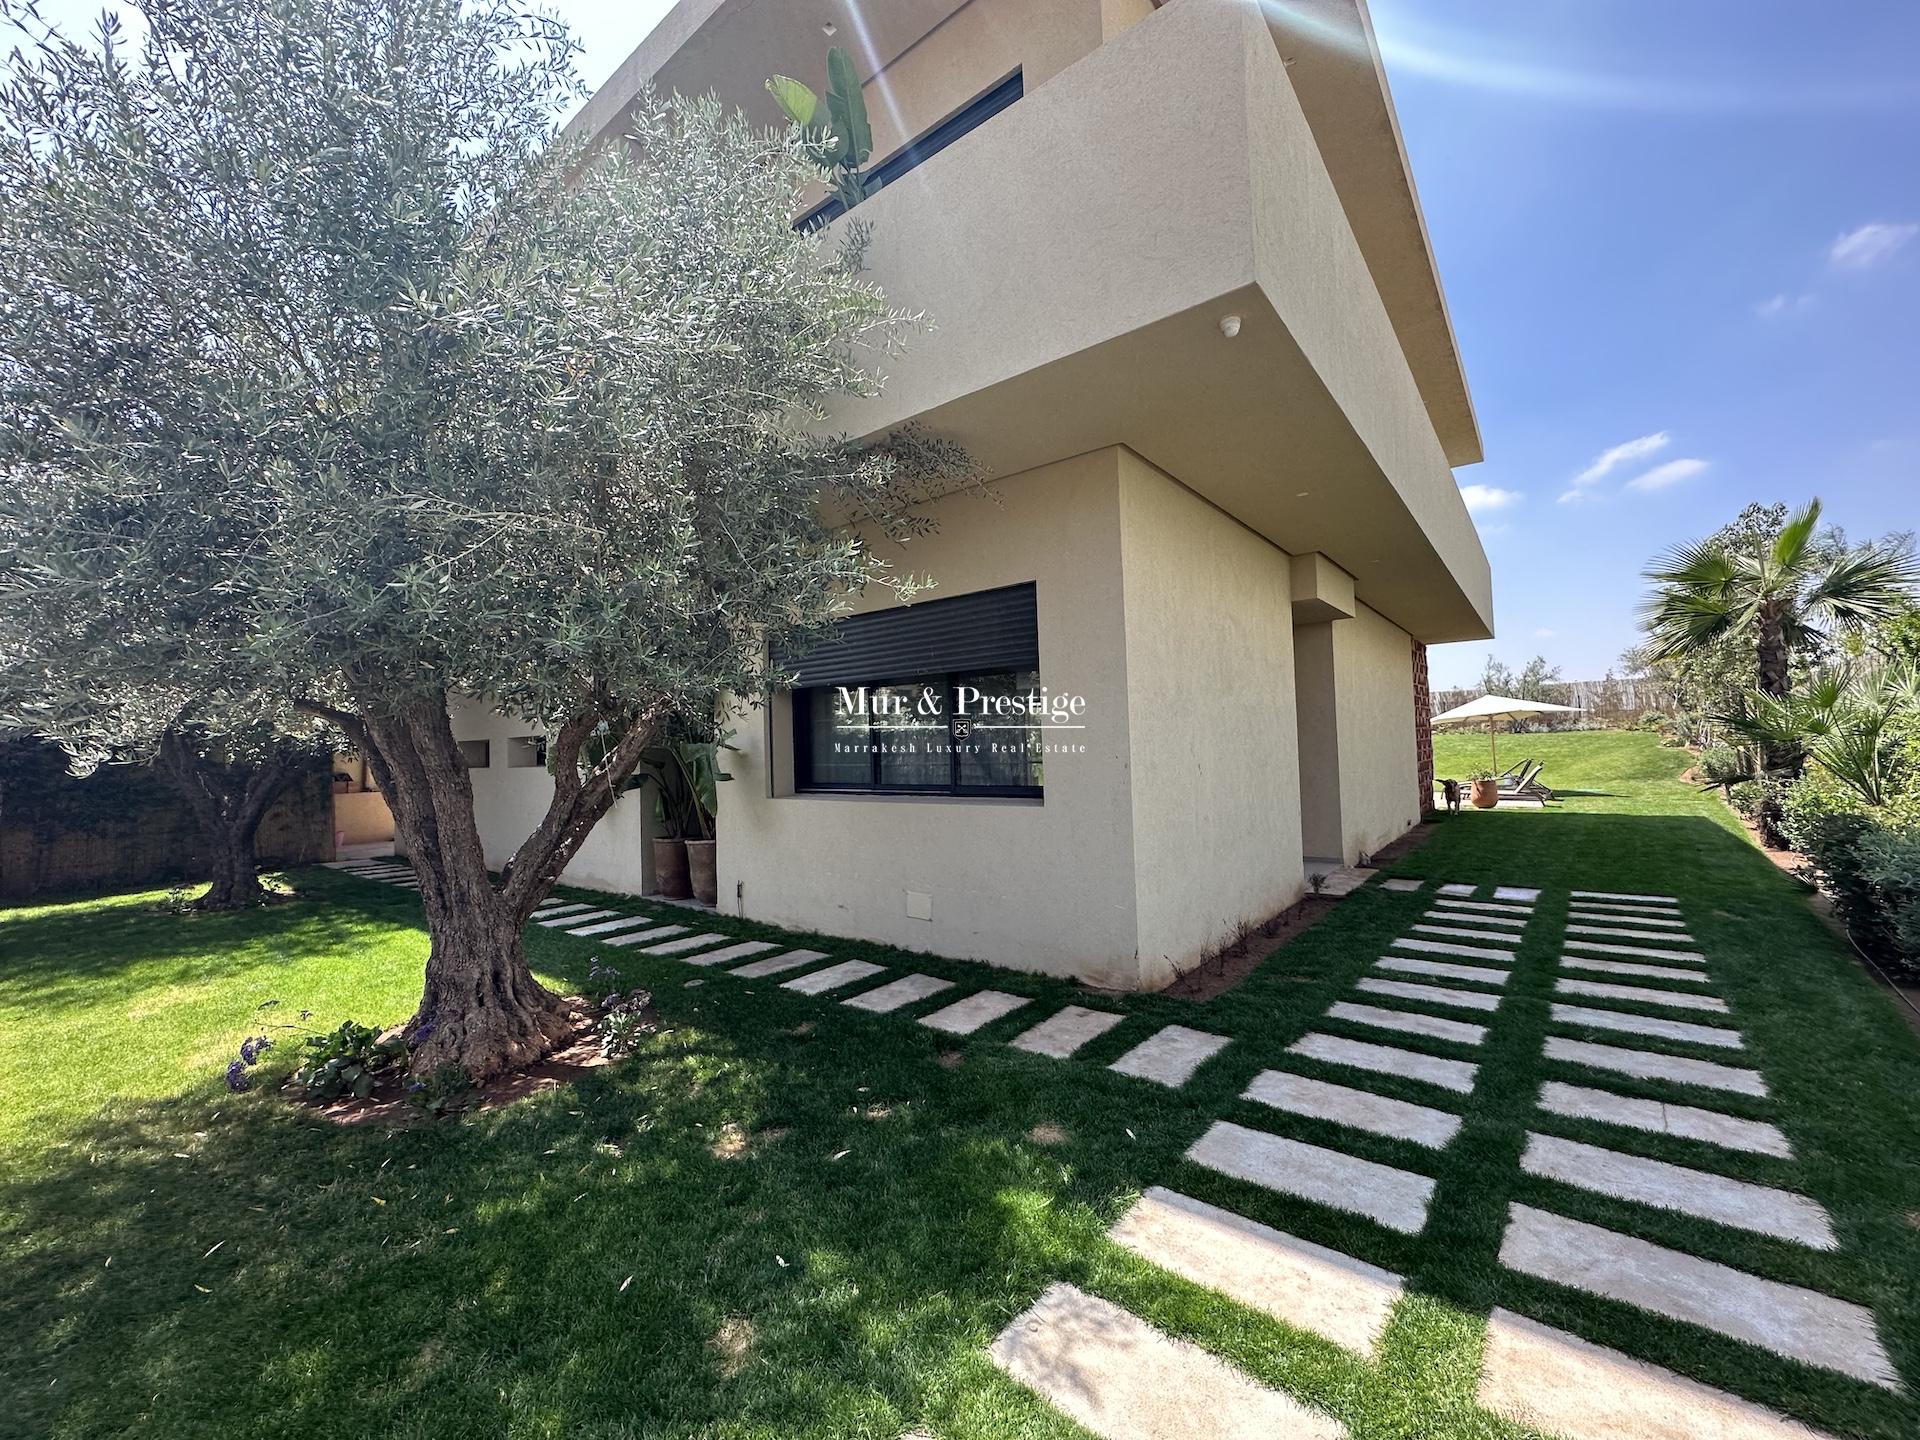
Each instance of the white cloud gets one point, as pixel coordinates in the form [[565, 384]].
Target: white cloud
[[1671, 473], [1624, 453], [1483, 498], [1867, 246], [1543, 633]]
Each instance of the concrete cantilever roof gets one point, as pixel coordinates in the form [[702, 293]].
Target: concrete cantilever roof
[[729, 47]]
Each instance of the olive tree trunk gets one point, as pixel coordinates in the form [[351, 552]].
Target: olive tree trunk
[[228, 802], [480, 1006]]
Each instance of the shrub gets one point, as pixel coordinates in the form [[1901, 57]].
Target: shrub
[[1869, 867], [447, 1087], [347, 1061]]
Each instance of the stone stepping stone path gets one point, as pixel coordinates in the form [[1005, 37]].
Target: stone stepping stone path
[[1410, 1022], [1628, 967], [1516, 892], [1618, 907], [831, 978], [1058, 1036], [1295, 1281], [684, 944], [1441, 970], [1455, 1075], [1474, 917], [1481, 907], [983, 1007], [1705, 1196], [778, 964], [727, 954], [1394, 1198], [1456, 932], [1788, 1320], [1678, 1000], [1632, 1024], [1401, 886], [609, 927], [897, 994], [1658, 937], [1650, 1065], [1605, 917], [566, 908], [642, 937], [1613, 895], [554, 921], [1686, 1122], [1357, 1109], [1111, 1372], [1692, 956], [1459, 891], [1441, 947], [1555, 1383], [1430, 994], [1170, 1056]]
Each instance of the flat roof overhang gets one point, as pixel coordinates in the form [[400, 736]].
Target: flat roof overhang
[[1076, 256]]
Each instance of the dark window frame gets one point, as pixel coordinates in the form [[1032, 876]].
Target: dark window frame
[[924, 146], [803, 782]]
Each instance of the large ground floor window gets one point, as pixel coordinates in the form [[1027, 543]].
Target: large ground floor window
[[936, 698]]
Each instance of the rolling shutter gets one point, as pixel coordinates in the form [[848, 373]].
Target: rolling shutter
[[965, 634]]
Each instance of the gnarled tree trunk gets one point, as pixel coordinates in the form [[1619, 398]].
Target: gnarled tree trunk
[[228, 802], [480, 1006]]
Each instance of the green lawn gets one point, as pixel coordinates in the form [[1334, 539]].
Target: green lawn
[[182, 1262]]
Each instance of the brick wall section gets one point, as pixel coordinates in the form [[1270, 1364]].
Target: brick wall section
[[1422, 728]]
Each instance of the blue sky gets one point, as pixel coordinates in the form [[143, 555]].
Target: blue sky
[[1681, 243]]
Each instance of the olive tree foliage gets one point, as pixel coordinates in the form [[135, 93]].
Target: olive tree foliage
[[323, 360]]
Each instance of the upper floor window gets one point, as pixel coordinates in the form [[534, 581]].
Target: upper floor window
[[924, 147]]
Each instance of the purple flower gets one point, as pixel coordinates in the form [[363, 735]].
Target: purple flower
[[237, 1077], [253, 1047]]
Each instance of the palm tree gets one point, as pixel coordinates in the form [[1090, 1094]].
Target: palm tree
[[1788, 593]]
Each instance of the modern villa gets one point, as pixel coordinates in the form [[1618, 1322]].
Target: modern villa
[[1186, 311]]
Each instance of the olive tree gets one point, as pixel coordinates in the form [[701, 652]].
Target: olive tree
[[321, 358]]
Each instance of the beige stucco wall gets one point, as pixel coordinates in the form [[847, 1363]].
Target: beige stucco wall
[[1322, 835], [1210, 707], [1373, 690], [1034, 885], [508, 802]]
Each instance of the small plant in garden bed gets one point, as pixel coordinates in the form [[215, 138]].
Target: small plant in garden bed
[[348, 1061], [625, 1016], [447, 1089]]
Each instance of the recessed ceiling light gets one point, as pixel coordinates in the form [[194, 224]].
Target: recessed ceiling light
[[1229, 325]]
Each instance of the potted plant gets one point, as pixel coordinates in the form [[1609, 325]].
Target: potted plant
[[1486, 789], [685, 774]]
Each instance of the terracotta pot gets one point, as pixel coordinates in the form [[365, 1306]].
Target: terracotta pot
[[1486, 794], [700, 871], [670, 869]]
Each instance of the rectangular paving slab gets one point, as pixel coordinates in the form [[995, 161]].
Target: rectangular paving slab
[[778, 964], [1516, 892], [1394, 1198], [1442, 947], [727, 954], [1647, 1065], [896, 994], [1615, 932], [831, 978], [1442, 970], [1622, 907], [1465, 917], [1601, 948], [1109, 1371], [1548, 1381], [609, 927], [1409, 1022], [963, 1017], [1432, 994], [1456, 1075], [685, 943], [641, 937], [580, 919], [1673, 999], [1459, 931], [1490, 907], [1616, 919], [561, 909], [1401, 885], [1800, 1324], [1658, 1026], [1658, 1117], [1616, 895], [1360, 1109], [1295, 1281], [1698, 1193], [1170, 1056], [1629, 967], [1058, 1036], [1458, 890]]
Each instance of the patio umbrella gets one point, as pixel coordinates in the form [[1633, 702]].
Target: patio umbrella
[[1493, 708]]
